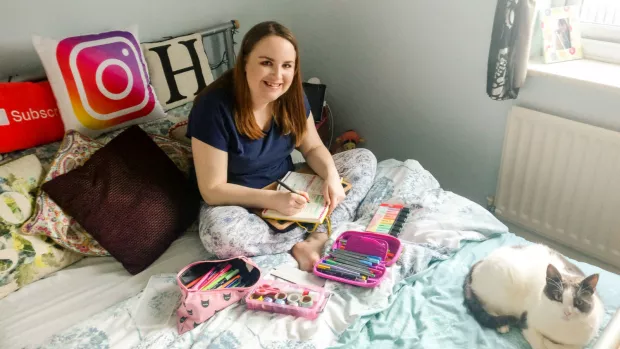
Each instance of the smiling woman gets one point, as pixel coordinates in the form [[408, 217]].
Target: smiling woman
[[243, 128]]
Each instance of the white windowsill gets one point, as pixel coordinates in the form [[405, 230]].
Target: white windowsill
[[600, 74]]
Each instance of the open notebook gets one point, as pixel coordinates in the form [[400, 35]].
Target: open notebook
[[315, 211]]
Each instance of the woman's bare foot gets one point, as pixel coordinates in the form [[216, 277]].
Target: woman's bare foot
[[308, 252]]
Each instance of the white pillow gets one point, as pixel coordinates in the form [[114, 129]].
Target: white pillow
[[179, 69], [100, 81]]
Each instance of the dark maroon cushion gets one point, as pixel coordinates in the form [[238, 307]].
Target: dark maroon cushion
[[130, 197]]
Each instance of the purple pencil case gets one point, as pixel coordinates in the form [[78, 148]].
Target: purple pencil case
[[386, 247]]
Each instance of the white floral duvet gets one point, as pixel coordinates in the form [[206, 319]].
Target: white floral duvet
[[434, 233]]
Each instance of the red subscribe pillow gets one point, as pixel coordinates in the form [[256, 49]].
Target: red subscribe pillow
[[29, 116]]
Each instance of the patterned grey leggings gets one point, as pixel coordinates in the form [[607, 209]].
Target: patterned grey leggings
[[229, 231]]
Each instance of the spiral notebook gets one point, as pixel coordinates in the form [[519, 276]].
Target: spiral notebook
[[316, 210]]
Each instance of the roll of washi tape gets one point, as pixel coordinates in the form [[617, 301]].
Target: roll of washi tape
[[294, 298], [279, 301], [268, 299], [255, 296], [281, 296], [306, 302], [293, 304]]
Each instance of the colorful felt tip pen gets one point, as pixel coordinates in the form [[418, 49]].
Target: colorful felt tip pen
[[231, 281], [204, 278], [341, 275], [225, 281], [345, 267], [222, 279], [216, 276], [363, 257]]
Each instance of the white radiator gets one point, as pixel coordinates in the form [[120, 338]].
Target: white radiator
[[561, 179]]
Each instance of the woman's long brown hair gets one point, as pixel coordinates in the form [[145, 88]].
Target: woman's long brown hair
[[289, 109]]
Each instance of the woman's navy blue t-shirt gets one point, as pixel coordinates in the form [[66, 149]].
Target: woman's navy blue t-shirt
[[251, 163]]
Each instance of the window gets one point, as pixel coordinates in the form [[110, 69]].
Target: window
[[600, 29]]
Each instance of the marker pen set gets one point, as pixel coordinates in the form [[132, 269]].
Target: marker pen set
[[359, 258], [222, 275], [389, 218]]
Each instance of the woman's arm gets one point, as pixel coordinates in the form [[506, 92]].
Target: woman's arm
[[211, 171], [321, 162]]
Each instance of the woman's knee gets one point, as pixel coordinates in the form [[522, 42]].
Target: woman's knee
[[365, 156], [357, 155], [220, 230], [227, 231]]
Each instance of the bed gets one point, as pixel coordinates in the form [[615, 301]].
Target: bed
[[92, 303]]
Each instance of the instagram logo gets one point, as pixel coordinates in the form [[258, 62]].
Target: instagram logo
[[4, 119], [106, 79]]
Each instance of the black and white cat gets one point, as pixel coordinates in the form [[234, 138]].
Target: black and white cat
[[537, 289]]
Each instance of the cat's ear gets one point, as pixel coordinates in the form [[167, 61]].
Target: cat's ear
[[590, 282], [553, 273]]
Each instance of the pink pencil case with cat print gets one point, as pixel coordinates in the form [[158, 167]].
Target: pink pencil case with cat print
[[359, 258], [199, 301]]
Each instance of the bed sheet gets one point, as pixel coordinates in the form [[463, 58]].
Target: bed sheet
[[74, 294], [436, 231], [427, 311]]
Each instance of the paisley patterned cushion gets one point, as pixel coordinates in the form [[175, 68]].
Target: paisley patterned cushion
[[50, 220], [24, 259]]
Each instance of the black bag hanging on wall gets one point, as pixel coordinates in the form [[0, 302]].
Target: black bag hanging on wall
[[510, 47]]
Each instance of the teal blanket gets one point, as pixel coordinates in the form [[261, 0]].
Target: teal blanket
[[427, 311]]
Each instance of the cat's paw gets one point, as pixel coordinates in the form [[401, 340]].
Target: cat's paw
[[503, 329]]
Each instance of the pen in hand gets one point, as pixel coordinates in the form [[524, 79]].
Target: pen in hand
[[291, 189]]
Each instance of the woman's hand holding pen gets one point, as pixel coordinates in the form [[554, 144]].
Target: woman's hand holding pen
[[290, 203]]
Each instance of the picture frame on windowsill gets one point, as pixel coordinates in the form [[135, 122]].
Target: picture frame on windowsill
[[561, 34]]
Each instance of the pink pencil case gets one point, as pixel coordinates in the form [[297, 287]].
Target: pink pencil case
[[198, 306], [384, 247], [287, 298]]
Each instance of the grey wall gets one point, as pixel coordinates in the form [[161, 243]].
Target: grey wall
[[19, 20], [410, 76]]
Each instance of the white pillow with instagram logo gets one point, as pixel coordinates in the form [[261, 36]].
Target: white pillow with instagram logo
[[100, 81]]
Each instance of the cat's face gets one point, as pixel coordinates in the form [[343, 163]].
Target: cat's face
[[570, 297]]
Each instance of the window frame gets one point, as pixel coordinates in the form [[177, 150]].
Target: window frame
[[600, 42]]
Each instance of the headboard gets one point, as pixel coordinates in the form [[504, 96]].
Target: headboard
[[215, 49]]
